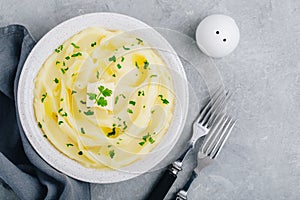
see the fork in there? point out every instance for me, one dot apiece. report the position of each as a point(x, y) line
point(201, 127)
point(210, 149)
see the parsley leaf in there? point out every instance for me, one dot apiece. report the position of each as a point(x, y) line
point(69, 145)
point(119, 66)
point(112, 154)
point(132, 103)
point(60, 122)
point(73, 92)
point(92, 96)
point(67, 57)
point(102, 102)
point(151, 140)
point(129, 111)
point(142, 143)
point(141, 92)
point(89, 112)
point(75, 46)
point(76, 54)
point(44, 97)
point(126, 48)
point(139, 40)
point(83, 102)
point(82, 130)
point(113, 132)
point(80, 153)
point(56, 80)
point(40, 125)
point(93, 44)
point(112, 59)
point(122, 58)
point(146, 64)
point(164, 101)
point(116, 99)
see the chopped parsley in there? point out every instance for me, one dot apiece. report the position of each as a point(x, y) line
point(139, 40)
point(64, 63)
point(83, 102)
point(92, 96)
point(116, 99)
point(73, 92)
point(144, 106)
point(61, 99)
point(126, 48)
point(164, 101)
point(113, 132)
point(122, 95)
point(76, 54)
point(89, 112)
point(44, 97)
point(67, 58)
point(136, 64)
point(112, 59)
point(111, 153)
point(141, 92)
point(63, 70)
point(56, 80)
point(59, 49)
point(114, 75)
point(69, 145)
point(61, 109)
point(119, 66)
point(151, 140)
point(153, 75)
point(129, 111)
point(146, 138)
point(82, 130)
point(75, 46)
point(122, 58)
point(60, 122)
point(146, 64)
point(40, 125)
point(57, 62)
point(132, 103)
point(152, 111)
point(125, 125)
point(64, 114)
point(45, 136)
point(142, 143)
point(93, 44)
point(80, 153)
point(97, 75)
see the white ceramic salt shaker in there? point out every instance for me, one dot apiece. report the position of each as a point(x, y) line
point(217, 35)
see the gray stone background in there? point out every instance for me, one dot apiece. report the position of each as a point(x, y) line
point(262, 157)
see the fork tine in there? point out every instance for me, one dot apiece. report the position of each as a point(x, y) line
point(214, 135)
point(204, 112)
point(225, 136)
point(219, 108)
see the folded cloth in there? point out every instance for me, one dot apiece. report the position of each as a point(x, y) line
point(21, 168)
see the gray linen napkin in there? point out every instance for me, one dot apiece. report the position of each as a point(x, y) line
point(21, 168)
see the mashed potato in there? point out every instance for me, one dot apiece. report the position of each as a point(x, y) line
point(104, 98)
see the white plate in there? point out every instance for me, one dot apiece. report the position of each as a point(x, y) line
point(45, 47)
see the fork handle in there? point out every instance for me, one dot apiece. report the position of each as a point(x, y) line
point(164, 184)
point(182, 194)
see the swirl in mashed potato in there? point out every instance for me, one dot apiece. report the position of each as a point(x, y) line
point(104, 98)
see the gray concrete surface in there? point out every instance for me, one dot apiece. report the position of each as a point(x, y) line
point(262, 157)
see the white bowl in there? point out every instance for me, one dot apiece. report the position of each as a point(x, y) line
point(45, 47)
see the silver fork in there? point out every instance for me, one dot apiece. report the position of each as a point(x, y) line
point(201, 126)
point(210, 149)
